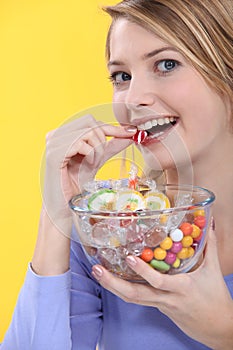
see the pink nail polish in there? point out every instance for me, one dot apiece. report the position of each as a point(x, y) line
point(97, 272)
point(132, 129)
point(212, 223)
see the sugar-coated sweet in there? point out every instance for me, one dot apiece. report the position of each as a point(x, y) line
point(176, 247)
point(170, 258)
point(160, 265)
point(176, 235)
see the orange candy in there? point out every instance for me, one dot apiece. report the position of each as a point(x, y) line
point(186, 228)
point(147, 254)
point(160, 254)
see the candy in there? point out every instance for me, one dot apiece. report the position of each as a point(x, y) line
point(176, 264)
point(147, 254)
point(199, 212)
point(103, 199)
point(170, 258)
point(196, 231)
point(156, 201)
point(187, 241)
point(191, 252)
point(166, 244)
point(186, 228)
point(159, 253)
point(176, 247)
point(176, 235)
point(183, 254)
point(130, 200)
point(140, 136)
point(159, 265)
point(200, 221)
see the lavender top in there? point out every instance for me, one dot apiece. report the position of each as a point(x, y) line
point(72, 311)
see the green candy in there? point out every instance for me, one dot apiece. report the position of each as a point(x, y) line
point(159, 265)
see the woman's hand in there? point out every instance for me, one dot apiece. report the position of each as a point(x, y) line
point(74, 153)
point(198, 302)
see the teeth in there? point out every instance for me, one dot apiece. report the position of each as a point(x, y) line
point(161, 121)
point(148, 125)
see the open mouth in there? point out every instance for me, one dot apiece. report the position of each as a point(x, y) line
point(154, 130)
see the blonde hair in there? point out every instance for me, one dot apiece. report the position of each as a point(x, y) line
point(202, 30)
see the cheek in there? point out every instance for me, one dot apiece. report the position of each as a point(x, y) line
point(119, 109)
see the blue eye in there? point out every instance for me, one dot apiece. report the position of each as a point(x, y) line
point(119, 77)
point(166, 66)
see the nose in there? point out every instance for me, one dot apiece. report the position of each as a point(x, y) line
point(140, 94)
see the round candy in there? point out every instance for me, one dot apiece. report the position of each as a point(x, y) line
point(170, 258)
point(156, 201)
point(147, 254)
point(103, 199)
point(199, 212)
point(200, 221)
point(186, 228)
point(176, 247)
point(176, 235)
point(183, 254)
point(191, 252)
point(159, 265)
point(129, 200)
point(159, 253)
point(166, 244)
point(187, 241)
point(196, 231)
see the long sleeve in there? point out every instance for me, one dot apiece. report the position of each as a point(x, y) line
point(41, 317)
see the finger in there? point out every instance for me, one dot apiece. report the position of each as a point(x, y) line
point(163, 282)
point(118, 131)
point(115, 146)
point(211, 250)
point(137, 293)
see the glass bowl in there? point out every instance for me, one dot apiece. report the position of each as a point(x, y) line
point(171, 239)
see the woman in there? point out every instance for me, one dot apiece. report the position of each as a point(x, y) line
point(167, 59)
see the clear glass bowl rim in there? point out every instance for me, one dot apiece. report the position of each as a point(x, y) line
point(201, 204)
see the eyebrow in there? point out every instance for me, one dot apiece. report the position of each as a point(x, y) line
point(145, 56)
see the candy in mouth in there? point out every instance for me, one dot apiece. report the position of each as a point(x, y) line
point(144, 136)
point(140, 136)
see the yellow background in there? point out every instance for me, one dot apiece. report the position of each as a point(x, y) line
point(52, 65)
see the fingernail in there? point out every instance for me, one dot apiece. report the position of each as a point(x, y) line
point(131, 260)
point(212, 224)
point(132, 129)
point(97, 272)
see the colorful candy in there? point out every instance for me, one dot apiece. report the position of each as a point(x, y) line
point(179, 245)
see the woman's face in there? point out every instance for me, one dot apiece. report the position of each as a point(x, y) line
point(157, 90)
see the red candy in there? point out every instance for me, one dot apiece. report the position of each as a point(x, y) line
point(186, 228)
point(140, 136)
point(200, 221)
